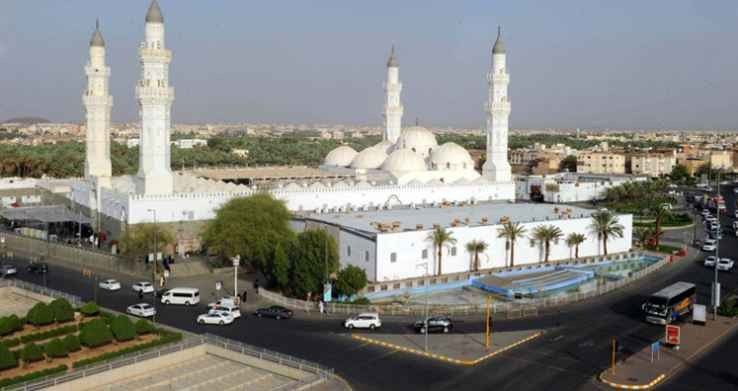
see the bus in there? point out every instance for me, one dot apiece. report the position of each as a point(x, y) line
point(670, 303)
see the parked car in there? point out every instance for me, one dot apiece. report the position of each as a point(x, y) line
point(109, 284)
point(215, 317)
point(225, 300)
point(711, 246)
point(368, 320)
point(37, 268)
point(275, 311)
point(434, 324)
point(725, 264)
point(143, 286)
point(710, 261)
point(231, 310)
point(7, 270)
point(144, 310)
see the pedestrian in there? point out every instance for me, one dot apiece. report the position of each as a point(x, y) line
point(244, 296)
point(256, 287)
point(321, 306)
point(140, 295)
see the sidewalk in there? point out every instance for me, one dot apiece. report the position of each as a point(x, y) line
point(637, 372)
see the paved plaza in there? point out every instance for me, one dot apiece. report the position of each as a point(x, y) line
point(18, 301)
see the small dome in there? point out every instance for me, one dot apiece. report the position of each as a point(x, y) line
point(385, 146)
point(369, 159)
point(417, 139)
point(403, 160)
point(340, 157)
point(451, 156)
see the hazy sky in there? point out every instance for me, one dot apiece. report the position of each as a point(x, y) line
point(587, 63)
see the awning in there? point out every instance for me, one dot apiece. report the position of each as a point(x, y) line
point(45, 214)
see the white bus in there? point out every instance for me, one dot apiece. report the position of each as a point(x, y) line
point(670, 303)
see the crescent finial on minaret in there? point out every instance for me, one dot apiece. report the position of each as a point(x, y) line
point(499, 47)
point(392, 60)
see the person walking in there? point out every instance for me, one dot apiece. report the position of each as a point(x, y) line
point(244, 296)
point(321, 306)
point(140, 294)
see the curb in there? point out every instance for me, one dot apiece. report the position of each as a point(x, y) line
point(447, 358)
point(646, 386)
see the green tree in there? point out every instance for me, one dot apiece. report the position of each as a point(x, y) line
point(7, 358)
point(40, 314)
point(71, 342)
point(659, 213)
point(56, 348)
point(511, 232)
point(89, 309)
point(606, 225)
point(9, 325)
point(642, 235)
point(63, 311)
point(568, 163)
point(280, 266)
point(31, 353)
point(143, 326)
point(95, 333)
point(314, 256)
point(679, 174)
point(440, 238)
point(474, 248)
point(544, 235)
point(250, 227)
point(122, 328)
point(351, 280)
point(573, 240)
point(139, 240)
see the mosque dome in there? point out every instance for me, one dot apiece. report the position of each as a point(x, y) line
point(451, 156)
point(369, 159)
point(384, 145)
point(402, 161)
point(340, 157)
point(417, 139)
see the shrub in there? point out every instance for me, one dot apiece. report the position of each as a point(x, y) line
point(143, 326)
point(107, 317)
point(31, 353)
point(40, 314)
point(71, 342)
point(95, 333)
point(49, 334)
point(89, 309)
point(7, 358)
point(9, 325)
point(63, 311)
point(10, 342)
point(165, 338)
point(33, 376)
point(56, 348)
point(122, 328)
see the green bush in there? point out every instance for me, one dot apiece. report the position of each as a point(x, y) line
point(10, 342)
point(122, 328)
point(33, 376)
point(56, 348)
point(63, 311)
point(72, 344)
point(7, 358)
point(164, 338)
point(40, 315)
point(143, 326)
point(31, 353)
point(49, 334)
point(95, 333)
point(9, 325)
point(89, 309)
point(107, 317)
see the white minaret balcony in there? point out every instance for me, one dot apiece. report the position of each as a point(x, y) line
point(155, 55)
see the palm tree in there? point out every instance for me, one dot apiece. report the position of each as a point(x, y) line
point(643, 235)
point(475, 247)
point(574, 240)
point(659, 213)
point(440, 238)
point(605, 225)
point(511, 232)
point(545, 234)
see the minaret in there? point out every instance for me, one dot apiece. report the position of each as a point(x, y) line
point(98, 104)
point(392, 105)
point(155, 98)
point(497, 168)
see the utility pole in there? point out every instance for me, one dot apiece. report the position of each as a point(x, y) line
point(612, 356)
point(155, 263)
point(716, 283)
point(425, 317)
point(488, 332)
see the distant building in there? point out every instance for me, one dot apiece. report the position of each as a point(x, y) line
point(568, 187)
point(601, 163)
point(653, 164)
point(133, 142)
point(189, 143)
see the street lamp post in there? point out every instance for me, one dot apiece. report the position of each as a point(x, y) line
point(716, 283)
point(236, 262)
point(427, 293)
point(153, 269)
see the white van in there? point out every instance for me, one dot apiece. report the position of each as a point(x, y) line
point(186, 296)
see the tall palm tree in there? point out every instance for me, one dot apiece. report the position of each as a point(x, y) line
point(511, 232)
point(574, 239)
point(659, 213)
point(606, 225)
point(440, 238)
point(475, 247)
point(545, 234)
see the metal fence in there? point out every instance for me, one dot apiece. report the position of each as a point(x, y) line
point(319, 372)
point(76, 301)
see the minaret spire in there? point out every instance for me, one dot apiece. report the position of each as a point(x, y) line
point(392, 105)
point(497, 167)
point(98, 105)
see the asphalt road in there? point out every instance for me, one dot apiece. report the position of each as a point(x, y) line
point(571, 353)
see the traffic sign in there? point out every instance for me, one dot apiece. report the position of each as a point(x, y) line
point(672, 334)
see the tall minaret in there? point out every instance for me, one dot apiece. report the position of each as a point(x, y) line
point(98, 103)
point(497, 168)
point(155, 99)
point(392, 105)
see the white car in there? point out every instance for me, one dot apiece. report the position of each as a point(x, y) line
point(110, 285)
point(708, 246)
point(8, 270)
point(144, 310)
point(231, 310)
point(725, 264)
point(225, 300)
point(368, 320)
point(735, 190)
point(143, 286)
point(710, 261)
point(215, 317)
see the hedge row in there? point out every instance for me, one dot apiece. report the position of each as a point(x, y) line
point(89, 309)
point(33, 376)
point(165, 337)
point(11, 342)
point(72, 328)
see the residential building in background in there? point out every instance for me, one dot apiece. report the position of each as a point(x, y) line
point(653, 164)
point(596, 162)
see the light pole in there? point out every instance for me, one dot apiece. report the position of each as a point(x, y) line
point(427, 293)
point(153, 269)
point(716, 283)
point(236, 261)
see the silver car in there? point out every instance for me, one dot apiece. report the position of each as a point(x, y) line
point(8, 270)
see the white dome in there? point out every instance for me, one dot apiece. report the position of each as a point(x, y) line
point(369, 158)
point(417, 139)
point(403, 160)
point(385, 146)
point(451, 156)
point(340, 157)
